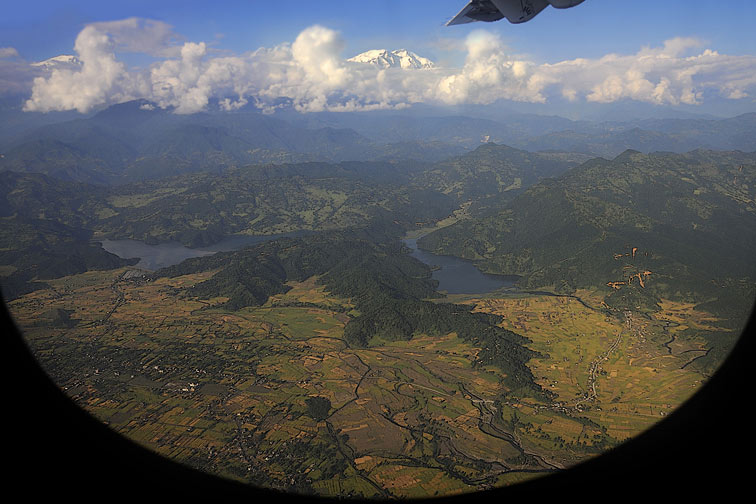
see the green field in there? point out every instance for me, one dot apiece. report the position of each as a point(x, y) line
point(226, 391)
point(612, 367)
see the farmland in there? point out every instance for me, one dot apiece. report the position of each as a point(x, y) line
point(231, 392)
point(616, 369)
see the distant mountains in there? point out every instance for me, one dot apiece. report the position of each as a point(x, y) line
point(133, 141)
point(671, 135)
point(538, 133)
point(138, 141)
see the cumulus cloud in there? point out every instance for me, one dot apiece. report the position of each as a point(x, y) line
point(177, 82)
point(489, 74)
point(8, 52)
point(138, 35)
point(660, 75)
point(101, 78)
point(312, 74)
point(16, 75)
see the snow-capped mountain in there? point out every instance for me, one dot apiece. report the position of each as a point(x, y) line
point(401, 58)
point(62, 61)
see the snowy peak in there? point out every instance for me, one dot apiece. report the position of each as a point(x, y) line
point(62, 61)
point(408, 59)
point(401, 58)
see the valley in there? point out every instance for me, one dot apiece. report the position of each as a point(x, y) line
point(396, 328)
point(377, 251)
point(226, 391)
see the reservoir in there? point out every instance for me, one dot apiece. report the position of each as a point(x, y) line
point(459, 276)
point(454, 275)
point(154, 257)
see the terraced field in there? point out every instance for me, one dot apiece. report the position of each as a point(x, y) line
point(231, 392)
point(623, 371)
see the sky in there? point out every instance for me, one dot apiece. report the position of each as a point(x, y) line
point(187, 54)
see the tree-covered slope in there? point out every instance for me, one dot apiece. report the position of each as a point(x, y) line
point(691, 219)
point(386, 285)
point(49, 225)
point(492, 174)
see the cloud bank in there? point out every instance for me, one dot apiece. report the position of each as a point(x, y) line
point(312, 74)
point(15, 74)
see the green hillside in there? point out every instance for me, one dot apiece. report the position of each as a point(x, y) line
point(640, 228)
point(386, 285)
point(493, 173)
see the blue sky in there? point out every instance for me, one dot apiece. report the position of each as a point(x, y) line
point(40, 29)
point(35, 30)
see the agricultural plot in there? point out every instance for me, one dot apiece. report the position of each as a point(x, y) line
point(619, 372)
point(274, 396)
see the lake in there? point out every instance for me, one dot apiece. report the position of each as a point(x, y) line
point(454, 275)
point(459, 276)
point(154, 257)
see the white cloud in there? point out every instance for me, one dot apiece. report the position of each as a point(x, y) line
point(177, 82)
point(8, 52)
point(16, 77)
point(312, 74)
point(138, 35)
point(15, 74)
point(489, 74)
point(102, 78)
point(654, 75)
point(316, 50)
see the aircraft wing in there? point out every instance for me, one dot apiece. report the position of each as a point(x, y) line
point(564, 4)
point(519, 11)
point(476, 10)
point(516, 11)
point(462, 17)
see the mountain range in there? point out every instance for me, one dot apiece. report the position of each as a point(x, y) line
point(632, 271)
point(136, 140)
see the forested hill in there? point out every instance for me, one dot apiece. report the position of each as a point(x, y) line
point(199, 209)
point(689, 220)
point(387, 287)
point(497, 172)
point(49, 225)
